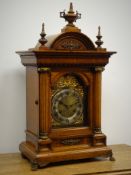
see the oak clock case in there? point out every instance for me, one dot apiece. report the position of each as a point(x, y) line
point(63, 96)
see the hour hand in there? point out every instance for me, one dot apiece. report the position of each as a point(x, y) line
point(74, 104)
point(63, 104)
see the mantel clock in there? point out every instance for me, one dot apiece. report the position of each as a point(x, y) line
point(63, 98)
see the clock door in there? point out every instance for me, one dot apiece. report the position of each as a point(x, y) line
point(70, 102)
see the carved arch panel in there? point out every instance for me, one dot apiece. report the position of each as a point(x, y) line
point(72, 41)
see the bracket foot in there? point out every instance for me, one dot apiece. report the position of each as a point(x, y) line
point(111, 158)
point(34, 166)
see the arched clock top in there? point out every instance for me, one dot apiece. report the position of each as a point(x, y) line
point(72, 41)
point(70, 37)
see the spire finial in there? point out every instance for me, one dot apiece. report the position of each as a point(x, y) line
point(99, 30)
point(98, 41)
point(71, 8)
point(42, 40)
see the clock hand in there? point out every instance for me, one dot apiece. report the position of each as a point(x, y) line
point(64, 104)
point(73, 104)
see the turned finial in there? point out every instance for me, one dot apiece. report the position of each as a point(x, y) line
point(43, 40)
point(99, 36)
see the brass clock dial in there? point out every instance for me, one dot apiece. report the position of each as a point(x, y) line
point(66, 106)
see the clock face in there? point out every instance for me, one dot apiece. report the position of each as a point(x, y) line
point(66, 106)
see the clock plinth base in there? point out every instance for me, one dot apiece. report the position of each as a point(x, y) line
point(42, 158)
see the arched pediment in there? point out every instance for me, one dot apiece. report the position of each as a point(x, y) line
point(72, 41)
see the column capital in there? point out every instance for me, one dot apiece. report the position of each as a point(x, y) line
point(99, 69)
point(44, 69)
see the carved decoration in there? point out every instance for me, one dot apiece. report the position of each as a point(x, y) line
point(68, 80)
point(72, 141)
point(72, 41)
point(71, 44)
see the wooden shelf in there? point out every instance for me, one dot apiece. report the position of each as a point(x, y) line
point(14, 164)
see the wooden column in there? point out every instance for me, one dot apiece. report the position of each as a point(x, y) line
point(45, 102)
point(97, 99)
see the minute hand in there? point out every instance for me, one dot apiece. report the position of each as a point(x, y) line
point(70, 105)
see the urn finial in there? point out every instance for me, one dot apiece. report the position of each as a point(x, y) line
point(70, 17)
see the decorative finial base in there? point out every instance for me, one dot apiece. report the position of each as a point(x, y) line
point(68, 28)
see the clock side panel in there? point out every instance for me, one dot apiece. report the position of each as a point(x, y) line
point(32, 104)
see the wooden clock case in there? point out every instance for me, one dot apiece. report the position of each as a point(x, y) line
point(70, 53)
